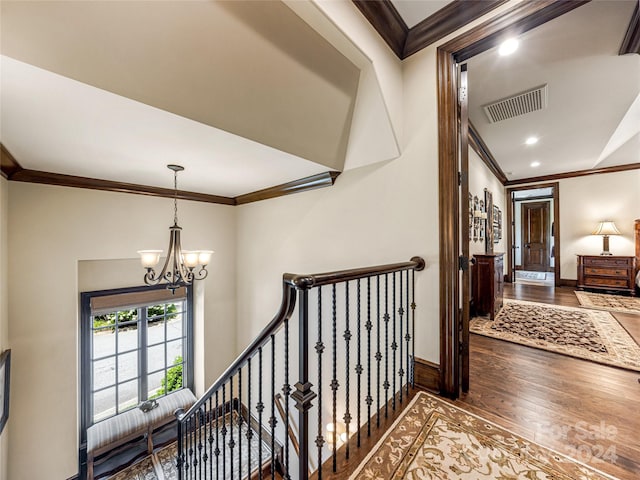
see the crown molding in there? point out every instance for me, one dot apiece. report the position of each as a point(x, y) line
point(384, 17)
point(447, 20)
point(577, 173)
point(13, 171)
point(320, 180)
point(404, 41)
point(477, 143)
point(8, 164)
point(631, 42)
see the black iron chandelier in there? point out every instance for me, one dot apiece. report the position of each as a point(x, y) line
point(180, 267)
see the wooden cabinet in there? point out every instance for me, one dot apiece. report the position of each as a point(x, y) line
point(606, 272)
point(488, 284)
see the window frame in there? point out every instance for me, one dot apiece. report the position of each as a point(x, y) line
point(86, 390)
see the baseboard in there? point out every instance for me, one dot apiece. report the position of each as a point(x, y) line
point(564, 282)
point(427, 374)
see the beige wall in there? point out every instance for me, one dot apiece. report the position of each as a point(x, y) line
point(480, 177)
point(585, 201)
point(51, 230)
point(4, 312)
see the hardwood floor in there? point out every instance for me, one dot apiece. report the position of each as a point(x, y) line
point(576, 407)
point(587, 411)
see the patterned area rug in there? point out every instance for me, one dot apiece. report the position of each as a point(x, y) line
point(437, 441)
point(161, 465)
point(577, 332)
point(612, 303)
point(531, 275)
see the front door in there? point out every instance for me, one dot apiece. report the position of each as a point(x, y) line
point(535, 236)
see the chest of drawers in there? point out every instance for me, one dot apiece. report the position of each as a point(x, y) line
point(606, 272)
point(488, 284)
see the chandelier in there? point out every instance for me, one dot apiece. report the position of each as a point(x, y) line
point(180, 266)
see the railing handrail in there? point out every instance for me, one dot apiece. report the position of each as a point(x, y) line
point(302, 282)
point(290, 283)
point(284, 312)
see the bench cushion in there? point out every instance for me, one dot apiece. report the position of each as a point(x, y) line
point(112, 429)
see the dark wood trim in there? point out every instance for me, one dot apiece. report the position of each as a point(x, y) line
point(631, 42)
point(556, 221)
point(538, 197)
point(427, 374)
point(445, 21)
point(522, 17)
point(8, 164)
point(320, 180)
point(577, 173)
point(564, 282)
point(477, 143)
point(384, 17)
point(519, 19)
point(36, 176)
point(13, 171)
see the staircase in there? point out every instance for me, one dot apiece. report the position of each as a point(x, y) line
point(346, 361)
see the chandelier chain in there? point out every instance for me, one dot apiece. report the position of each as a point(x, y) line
point(175, 197)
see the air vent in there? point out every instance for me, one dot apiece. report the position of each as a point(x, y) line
point(516, 105)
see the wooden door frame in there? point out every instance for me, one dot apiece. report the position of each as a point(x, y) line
point(555, 189)
point(545, 205)
point(512, 22)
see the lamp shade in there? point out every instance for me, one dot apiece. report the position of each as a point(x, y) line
point(606, 228)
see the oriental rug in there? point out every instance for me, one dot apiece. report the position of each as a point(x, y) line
point(612, 303)
point(435, 440)
point(577, 332)
point(161, 464)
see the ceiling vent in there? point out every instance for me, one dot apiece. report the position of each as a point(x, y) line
point(516, 105)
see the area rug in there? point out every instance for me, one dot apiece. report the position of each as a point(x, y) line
point(531, 275)
point(612, 303)
point(161, 465)
point(435, 440)
point(588, 334)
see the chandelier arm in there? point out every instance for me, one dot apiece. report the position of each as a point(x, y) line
point(178, 261)
point(150, 277)
point(202, 273)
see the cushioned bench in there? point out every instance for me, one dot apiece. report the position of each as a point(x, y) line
point(120, 429)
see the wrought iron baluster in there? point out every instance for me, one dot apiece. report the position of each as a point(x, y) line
point(286, 389)
point(199, 456)
point(413, 326)
point(210, 439)
point(249, 428)
point(190, 442)
point(260, 409)
point(223, 430)
point(272, 421)
point(334, 381)
point(386, 345)
point(217, 450)
point(319, 351)
point(359, 364)
point(378, 352)
point(232, 442)
point(240, 422)
point(408, 335)
point(400, 315)
point(368, 326)
point(347, 340)
point(394, 345)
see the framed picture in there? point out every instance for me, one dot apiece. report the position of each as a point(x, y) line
point(5, 369)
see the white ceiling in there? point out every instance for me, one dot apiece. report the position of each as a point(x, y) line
point(590, 121)
point(414, 11)
point(246, 95)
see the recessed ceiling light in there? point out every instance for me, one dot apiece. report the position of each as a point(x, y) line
point(508, 47)
point(535, 164)
point(531, 140)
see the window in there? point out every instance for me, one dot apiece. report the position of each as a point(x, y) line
point(136, 345)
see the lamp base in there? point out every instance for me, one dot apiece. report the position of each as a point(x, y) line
point(605, 245)
point(606, 253)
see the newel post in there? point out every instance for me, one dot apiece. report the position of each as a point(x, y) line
point(303, 395)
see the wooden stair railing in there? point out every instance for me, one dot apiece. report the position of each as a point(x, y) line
point(376, 371)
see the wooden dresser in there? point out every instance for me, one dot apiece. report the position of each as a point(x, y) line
point(606, 272)
point(488, 284)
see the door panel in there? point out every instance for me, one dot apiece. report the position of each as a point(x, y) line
point(535, 236)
